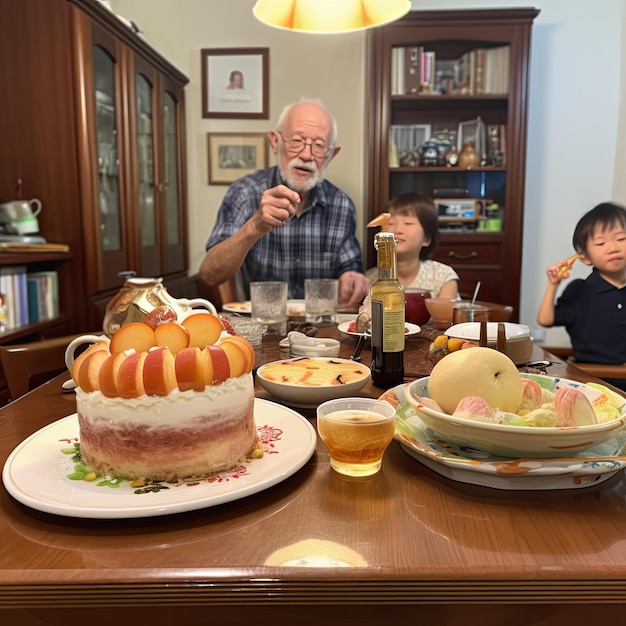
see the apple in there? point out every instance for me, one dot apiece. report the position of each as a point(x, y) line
point(245, 345)
point(107, 379)
point(159, 372)
point(204, 329)
point(99, 345)
point(89, 371)
point(159, 315)
point(573, 408)
point(189, 369)
point(173, 335)
point(220, 364)
point(135, 336)
point(207, 366)
point(481, 372)
point(130, 376)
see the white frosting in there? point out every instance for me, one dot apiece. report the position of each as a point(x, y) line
point(178, 407)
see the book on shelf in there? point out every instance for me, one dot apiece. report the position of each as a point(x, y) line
point(13, 287)
point(43, 295)
point(481, 71)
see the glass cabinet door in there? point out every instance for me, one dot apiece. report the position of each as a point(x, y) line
point(107, 150)
point(146, 219)
point(172, 187)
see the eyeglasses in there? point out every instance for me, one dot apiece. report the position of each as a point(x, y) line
point(318, 148)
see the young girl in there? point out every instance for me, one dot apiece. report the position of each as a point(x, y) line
point(415, 224)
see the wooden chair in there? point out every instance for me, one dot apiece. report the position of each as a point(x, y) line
point(599, 370)
point(28, 365)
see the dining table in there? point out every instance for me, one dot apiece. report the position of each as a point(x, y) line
point(407, 545)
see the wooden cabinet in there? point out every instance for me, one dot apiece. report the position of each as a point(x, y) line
point(93, 125)
point(449, 46)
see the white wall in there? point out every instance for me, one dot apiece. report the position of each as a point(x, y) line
point(573, 114)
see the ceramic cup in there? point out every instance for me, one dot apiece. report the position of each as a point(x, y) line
point(415, 310)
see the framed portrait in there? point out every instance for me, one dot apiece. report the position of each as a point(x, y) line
point(232, 155)
point(235, 83)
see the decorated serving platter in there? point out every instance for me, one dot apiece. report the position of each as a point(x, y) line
point(42, 472)
point(468, 465)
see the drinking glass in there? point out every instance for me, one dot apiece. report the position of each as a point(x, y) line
point(468, 312)
point(268, 301)
point(356, 432)
point(320, 299)
point(415, 306)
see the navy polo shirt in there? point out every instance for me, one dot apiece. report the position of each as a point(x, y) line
point(594, 314)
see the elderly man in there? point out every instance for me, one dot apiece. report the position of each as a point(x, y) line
point(286, 222)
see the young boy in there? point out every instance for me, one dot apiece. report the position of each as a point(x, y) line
point(593, 310)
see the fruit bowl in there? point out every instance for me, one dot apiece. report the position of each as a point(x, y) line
point(517, 441)
point(441, 309)
point(307, 381)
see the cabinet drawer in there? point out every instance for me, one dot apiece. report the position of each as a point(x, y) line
point(461, 253)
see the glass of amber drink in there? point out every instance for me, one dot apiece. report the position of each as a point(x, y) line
point(356, 432)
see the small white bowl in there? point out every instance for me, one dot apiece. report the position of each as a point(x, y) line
point(290, 381)
point(516, 441)
point(518, 345)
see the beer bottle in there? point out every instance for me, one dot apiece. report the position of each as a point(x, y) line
point(387, 295)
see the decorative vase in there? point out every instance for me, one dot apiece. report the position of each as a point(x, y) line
point(138, 296)
point(468, 157)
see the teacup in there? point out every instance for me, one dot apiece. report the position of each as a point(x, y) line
point(70, 351)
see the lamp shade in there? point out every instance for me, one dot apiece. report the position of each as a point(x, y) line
point(329, 16)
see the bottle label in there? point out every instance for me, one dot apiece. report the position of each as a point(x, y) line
point(387, 328)
point(393, 331)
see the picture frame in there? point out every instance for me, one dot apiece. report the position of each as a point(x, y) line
point(232, 155)
point(474, 131)
point(235, 83)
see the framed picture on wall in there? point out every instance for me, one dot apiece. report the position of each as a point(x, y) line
point(235, 83)
point(232, 155)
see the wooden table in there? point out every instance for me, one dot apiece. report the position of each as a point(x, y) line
point(423, 548)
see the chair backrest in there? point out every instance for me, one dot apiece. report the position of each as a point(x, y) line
point(27, 365)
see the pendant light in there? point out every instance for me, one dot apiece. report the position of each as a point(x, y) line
point(329, 16)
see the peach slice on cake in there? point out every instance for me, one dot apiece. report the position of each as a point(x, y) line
point(220, 366)
point(204, 329)
point(135, 336)
point(159, 373)
point(109, 369)
point(173, 335)
point(237, 359)
point(247, 349)
point(190, 369)
point(88, 374)
point(130, 376)
point(99, 345)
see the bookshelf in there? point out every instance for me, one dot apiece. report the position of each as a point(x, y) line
point(439, 84)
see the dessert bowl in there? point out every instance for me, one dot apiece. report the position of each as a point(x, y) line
point(308, 381)
point(517, 441)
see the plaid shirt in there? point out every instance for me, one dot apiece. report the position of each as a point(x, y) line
point(320, 242)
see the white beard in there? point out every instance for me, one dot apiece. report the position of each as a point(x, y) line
point(311, 166)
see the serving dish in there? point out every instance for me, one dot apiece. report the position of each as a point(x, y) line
point(410, 329)
point(307, 382)
point(517, 441)
point(36, 472)
point(476, 467)
point(518, 344)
